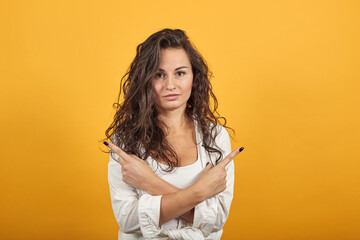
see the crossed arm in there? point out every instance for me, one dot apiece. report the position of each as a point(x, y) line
point(161, 187)
point(174, 202)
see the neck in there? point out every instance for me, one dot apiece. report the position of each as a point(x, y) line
point(176, 120)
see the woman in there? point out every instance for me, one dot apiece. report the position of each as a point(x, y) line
point(164, 136)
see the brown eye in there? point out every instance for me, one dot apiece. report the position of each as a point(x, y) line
point(159, 75)
point(180, 73)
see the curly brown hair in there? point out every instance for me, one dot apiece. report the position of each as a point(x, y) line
point(136, 128)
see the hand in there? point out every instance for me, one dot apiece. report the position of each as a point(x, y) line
point(135, 171)
point(213, 179)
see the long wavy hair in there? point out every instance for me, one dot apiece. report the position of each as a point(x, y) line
point(135, 127)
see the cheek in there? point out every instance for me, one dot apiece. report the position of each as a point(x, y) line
point(188, 86)
point(157, 89)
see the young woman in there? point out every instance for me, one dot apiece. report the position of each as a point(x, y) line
point(171, 173)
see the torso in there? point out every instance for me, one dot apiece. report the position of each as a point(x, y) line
point(189, 165)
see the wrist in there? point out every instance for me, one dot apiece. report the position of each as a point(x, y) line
point(198, 192)
point(151, 185)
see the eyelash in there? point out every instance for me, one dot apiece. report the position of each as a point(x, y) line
point(157, 75)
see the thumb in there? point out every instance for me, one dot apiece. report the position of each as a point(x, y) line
point(209, 165)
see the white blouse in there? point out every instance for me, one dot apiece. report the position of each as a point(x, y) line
point(138, 213)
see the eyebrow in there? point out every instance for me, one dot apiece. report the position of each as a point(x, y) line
point(175, 69)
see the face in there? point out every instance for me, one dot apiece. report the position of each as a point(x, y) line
point(173, 80)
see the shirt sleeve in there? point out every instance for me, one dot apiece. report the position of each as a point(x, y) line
point(124, 198)
point(211, 214)
point(132, 212)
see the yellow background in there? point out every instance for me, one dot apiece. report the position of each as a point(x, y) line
point(286, 77)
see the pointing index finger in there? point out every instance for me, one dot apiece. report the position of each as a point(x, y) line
point(117, 150)
point(230, 157)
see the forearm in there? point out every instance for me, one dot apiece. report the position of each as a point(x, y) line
point(161, 187)
point(179, 203)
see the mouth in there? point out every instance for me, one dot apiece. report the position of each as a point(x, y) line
point(171, 95)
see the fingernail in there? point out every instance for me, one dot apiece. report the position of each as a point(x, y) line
point(242, 148)
point(106, 143)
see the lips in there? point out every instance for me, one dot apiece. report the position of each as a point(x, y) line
point(172, 95)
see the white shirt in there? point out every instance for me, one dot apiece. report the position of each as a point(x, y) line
point(138, 213)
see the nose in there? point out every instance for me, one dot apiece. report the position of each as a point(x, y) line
point(170, 83)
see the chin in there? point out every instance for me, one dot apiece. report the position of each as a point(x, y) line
point(172, 107)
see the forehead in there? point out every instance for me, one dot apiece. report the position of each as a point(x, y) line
point(174, 57)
